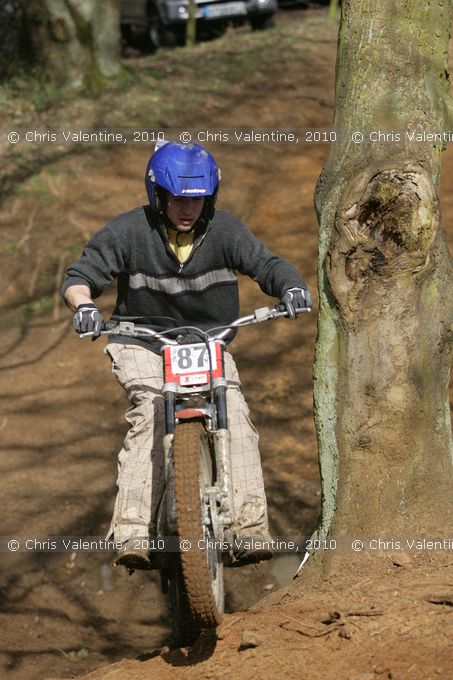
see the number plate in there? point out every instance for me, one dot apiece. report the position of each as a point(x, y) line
point(225, 9)
point(189, 365)
point(191, 358)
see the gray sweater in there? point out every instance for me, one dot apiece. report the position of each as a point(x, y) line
point(152, 283)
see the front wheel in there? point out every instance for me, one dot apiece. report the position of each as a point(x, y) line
point(185, 629)
point(201, 565)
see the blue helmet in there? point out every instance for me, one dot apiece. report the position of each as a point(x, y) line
point(183, 170)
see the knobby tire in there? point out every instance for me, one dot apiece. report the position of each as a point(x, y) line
point(185, 629)
point(188, 458)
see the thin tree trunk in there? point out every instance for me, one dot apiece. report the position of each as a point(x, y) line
point(191, 26)
point(385, 280)
point(333, 9)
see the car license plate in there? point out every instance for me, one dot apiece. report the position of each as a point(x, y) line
point(224, 9)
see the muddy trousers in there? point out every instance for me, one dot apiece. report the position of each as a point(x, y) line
point(141, 471)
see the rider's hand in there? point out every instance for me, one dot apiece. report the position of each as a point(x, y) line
point(88, 319)
point(295, 299)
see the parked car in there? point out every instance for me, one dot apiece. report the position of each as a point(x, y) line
point(164, 21)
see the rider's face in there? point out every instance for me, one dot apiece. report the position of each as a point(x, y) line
point(184, 211)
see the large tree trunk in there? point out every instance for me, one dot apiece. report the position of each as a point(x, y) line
point(77, 41)
point(385, 281)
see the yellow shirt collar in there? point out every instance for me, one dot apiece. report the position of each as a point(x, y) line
point(180, 243)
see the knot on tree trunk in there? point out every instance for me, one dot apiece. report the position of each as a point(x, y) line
point(59, 30)
point(386, 223)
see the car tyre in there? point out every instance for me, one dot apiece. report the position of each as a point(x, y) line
point(261, 22)
point(159, 34)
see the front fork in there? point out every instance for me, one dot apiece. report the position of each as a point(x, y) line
point(224, 482)
point(220, 415)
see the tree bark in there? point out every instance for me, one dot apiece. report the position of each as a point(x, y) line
point(191, 26)
point(385, 279)
point(76, 41)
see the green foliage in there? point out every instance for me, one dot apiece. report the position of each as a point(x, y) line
point(29, 86)
point(78, 655)
point(11, 247)
point(38, 189)
point(41, 305)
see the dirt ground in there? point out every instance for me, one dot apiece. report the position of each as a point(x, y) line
point(67, 614)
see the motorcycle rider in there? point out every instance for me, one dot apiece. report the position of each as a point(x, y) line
point(175, 261)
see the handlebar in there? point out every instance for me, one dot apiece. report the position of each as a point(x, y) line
point(130, 329)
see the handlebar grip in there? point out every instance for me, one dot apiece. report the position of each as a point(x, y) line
point(281, 309)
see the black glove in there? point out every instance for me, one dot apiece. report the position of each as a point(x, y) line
point(88, 319)
point(295, 299)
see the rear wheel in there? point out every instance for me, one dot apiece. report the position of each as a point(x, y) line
point(201, 566)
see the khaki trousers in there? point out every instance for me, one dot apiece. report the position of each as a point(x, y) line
point(141, 460)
